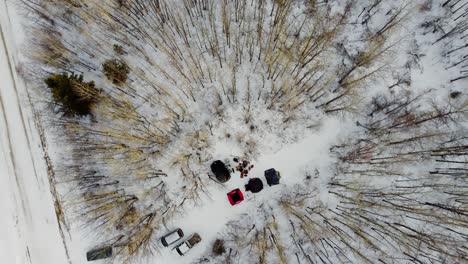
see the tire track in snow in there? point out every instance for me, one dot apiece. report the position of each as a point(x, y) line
point(52, 182)
point(12, 69)
point(18, 180)
point(18, 142)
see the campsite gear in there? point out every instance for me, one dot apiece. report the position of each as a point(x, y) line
point(172, 237)
point(194, 239)
point(235, 197)
point(244, 173)
point(272, 176)
point(220, 171)
point(254, 185)
point(100, 253)
point(185, 246)
point(244, 168)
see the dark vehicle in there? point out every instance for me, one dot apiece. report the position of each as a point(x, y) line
point(172, 237)
point(272, 177)
point(235, 197)
point(185, 246)
point(100, 253)
point(254, 185)
point(220, 171)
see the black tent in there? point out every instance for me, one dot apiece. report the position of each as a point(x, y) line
point(272, 176)
point(220, 171)
point(255, 185)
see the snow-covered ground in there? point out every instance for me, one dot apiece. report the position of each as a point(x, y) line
point(29, 231)
point(32, 231)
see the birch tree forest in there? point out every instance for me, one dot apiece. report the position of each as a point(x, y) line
point(165, 80)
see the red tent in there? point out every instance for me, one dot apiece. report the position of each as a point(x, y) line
point(235, 197)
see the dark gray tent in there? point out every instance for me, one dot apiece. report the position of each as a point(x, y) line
point(272, 176)
point(220, 170)
point(255, 185)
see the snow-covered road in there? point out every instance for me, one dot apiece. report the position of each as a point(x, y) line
point(29, 230)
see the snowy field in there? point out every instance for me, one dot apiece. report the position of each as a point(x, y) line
point(113, 111)
point(29, 233)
